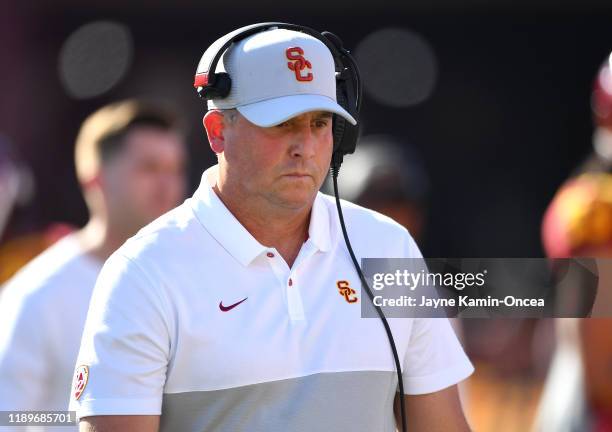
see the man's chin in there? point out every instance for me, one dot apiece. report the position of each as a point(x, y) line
point(296, 199)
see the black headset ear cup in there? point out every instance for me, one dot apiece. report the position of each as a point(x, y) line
point(219, 89)
point(350, 137)
point(345, 134)
point(338, 129)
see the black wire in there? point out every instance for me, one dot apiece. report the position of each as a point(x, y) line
point(335, 169)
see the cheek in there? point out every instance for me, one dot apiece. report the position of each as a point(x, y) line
point(149, 183)
point(133, 184)
point(115, 181)
point(142, 180)
point(326, 141)
point(253, 154)
point(324, 150)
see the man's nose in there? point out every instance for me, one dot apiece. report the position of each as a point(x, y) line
point(303, 142)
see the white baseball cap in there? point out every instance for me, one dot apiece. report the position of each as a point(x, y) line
point(276, 74)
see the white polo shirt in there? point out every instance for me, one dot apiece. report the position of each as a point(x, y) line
point(42, 314)
point(195, 320)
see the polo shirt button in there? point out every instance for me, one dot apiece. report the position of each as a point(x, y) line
point(270, 255)
point(290, 282)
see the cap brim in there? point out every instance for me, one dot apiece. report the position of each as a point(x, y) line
point(272, 112)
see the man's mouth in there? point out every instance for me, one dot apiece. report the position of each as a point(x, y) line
point(297, 175)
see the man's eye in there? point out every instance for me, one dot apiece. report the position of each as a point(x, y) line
point(283, 124)
point(321, 123)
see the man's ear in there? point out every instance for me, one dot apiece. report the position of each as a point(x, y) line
point(94, 181)
point(213, 123)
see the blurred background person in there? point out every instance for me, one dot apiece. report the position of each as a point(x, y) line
point(578, 223)
point(387, 176)
point(130, 163)
point(578, 391)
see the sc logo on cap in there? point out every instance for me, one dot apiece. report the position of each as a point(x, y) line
point(299, 63)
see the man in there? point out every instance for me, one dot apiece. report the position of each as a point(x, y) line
point(229, 313)
point(130, 160)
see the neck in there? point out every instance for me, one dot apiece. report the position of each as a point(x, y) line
point(282, 228)
point(98, 239)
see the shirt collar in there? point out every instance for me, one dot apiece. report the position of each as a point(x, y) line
point(319, 231)
point(233, 237)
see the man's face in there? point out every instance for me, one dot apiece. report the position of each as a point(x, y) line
point(146, 178)
point(282, 165)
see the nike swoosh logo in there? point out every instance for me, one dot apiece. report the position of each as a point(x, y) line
point(226, 308)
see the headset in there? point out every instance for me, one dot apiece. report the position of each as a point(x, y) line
point(349, 94)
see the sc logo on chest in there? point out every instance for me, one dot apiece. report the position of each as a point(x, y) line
point(345, 290)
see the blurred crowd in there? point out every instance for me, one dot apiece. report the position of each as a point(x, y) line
point(130, 159)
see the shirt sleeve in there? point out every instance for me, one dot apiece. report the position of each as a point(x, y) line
point(121, 367)
point(434, 359)
point(24, 360)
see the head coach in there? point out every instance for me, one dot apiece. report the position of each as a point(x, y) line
point(240, 309)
